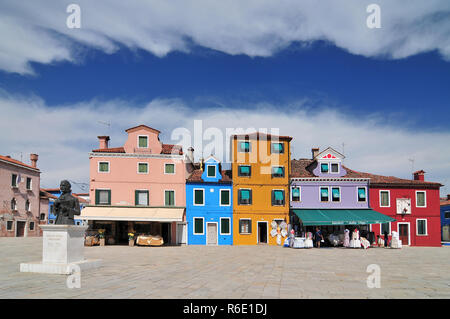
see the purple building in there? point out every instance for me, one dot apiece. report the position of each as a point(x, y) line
point(325, 194)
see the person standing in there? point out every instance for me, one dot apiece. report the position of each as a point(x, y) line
point(318, 237)
point(386, 239)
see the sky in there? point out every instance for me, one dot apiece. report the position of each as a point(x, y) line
point(315, 71)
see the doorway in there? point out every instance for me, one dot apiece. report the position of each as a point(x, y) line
point(446, 233)
point(166, 233)
point(20, 229)
point(403, 233)
point(211, 233)
point(262, 232)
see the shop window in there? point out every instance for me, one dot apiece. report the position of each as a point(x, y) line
point(169, 168)
point(198, 226)
point(244, 147)
point(9, 225)
point(277, 171)
point(225, 226)
point(169, 198)
point(29, 183)
point(103, 167)
point(324, 168)
point(143, 141)
point(141, 197)
point(31, 225)
point(244, 170)
point(384, 199)
point(211, 171)
point(199, 197)
point(336, 194)
point(277, 148)
point(277, 197)
point(334, 168)
point(244, 196)
point(324, 194)
point(421, 199)
point(361, 194)
point(103, 197)
point(245, 226)
point(295, 194)
point(422, 227)
point(224, 197)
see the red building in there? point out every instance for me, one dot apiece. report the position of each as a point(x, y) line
point(413, 203)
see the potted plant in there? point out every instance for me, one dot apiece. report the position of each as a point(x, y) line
point(131, 239)
point(101, 235)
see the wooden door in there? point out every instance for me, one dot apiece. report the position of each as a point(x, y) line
point(403, 233)
point(20, 229)
point(212, 233)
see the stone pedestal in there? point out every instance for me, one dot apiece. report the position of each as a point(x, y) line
point(63, 247)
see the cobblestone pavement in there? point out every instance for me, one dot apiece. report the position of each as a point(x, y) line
point(231, 272)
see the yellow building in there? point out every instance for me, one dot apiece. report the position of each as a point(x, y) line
point(261, 168)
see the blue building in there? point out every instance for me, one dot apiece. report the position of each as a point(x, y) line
point(209, 205)
point(445, 220)
point(56, 192)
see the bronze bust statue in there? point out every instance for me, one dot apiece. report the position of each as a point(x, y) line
point(66, 206)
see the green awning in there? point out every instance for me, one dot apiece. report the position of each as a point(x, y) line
point(313, 217)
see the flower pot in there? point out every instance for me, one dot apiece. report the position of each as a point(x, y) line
point(102, 241)
point(131, 242)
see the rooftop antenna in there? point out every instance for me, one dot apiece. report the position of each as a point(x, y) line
point(412, 164)
point(108, 124)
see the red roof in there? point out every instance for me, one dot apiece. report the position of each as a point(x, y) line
point(304, 167)
point(142, 126)
point(196, 176)
point(445, 202)
point(14, 161)
point(110, 150)
point(45, 194)
point(172, 149)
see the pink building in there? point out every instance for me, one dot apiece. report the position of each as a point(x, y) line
point(19, 197)
point(139, 186)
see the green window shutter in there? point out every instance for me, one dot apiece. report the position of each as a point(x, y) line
point(143, 141)
point(225, 197)
point(211, 171)
point(143, 167)
point(198, 225)
point(136, 197)
point(384, 198)
point(13, 180)
point(198, 196)
point(225, 226)
point(109, 197)
point(104, 166)
point(170, 168)
point(97, 197)
point(169, 198)
point(249, 226)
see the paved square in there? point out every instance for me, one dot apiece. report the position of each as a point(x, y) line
point(231, 272)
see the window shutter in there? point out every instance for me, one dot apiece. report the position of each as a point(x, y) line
point(249, 226)
point(97, 197)
point(109, 197)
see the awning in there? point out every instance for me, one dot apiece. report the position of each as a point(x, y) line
point(153, 214)
point(318, 217)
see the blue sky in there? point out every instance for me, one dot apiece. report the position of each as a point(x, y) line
point(314, 70)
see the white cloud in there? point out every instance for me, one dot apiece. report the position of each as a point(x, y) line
point(63, 136)
point(31, 31)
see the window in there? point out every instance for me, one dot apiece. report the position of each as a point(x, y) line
point(28, 183)
point(277, 148)
point(224, 197)
point(361, 194)
point(199, 196)
point(244, 147)
point(334, 168)
point(103, 197)
point(336, 194)
point(141, 197)
point(384, 199)
point(245, 197)
point(13, 204)
point(324, 194)
point(245, 226)
point(324, 168)
point(421, 199)
point(198, 226)
point(385, 227)
point(103, 167)
point(9, 225)
point(27, 205)
point(142, 168)
point(169, 168)
point(447, 215)
point(225, 226)
point(277, 197)
point(244, 170)
point(277, 171)
point(169, 198)
point(31, 225)
point(295, 194)
point(211, 171)
point(14, 180)
point(422, 227)
point(42, 217)
point(143, 141)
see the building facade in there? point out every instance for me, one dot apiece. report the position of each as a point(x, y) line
point(139, 187)
point(260, 170)
point(445, 220)
point(209, 205)
point(19, 197)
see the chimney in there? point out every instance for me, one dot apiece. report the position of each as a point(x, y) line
point(314, 152)
point(103, 141)
point(33, 159)
point(419, 175)
point(190, 154)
